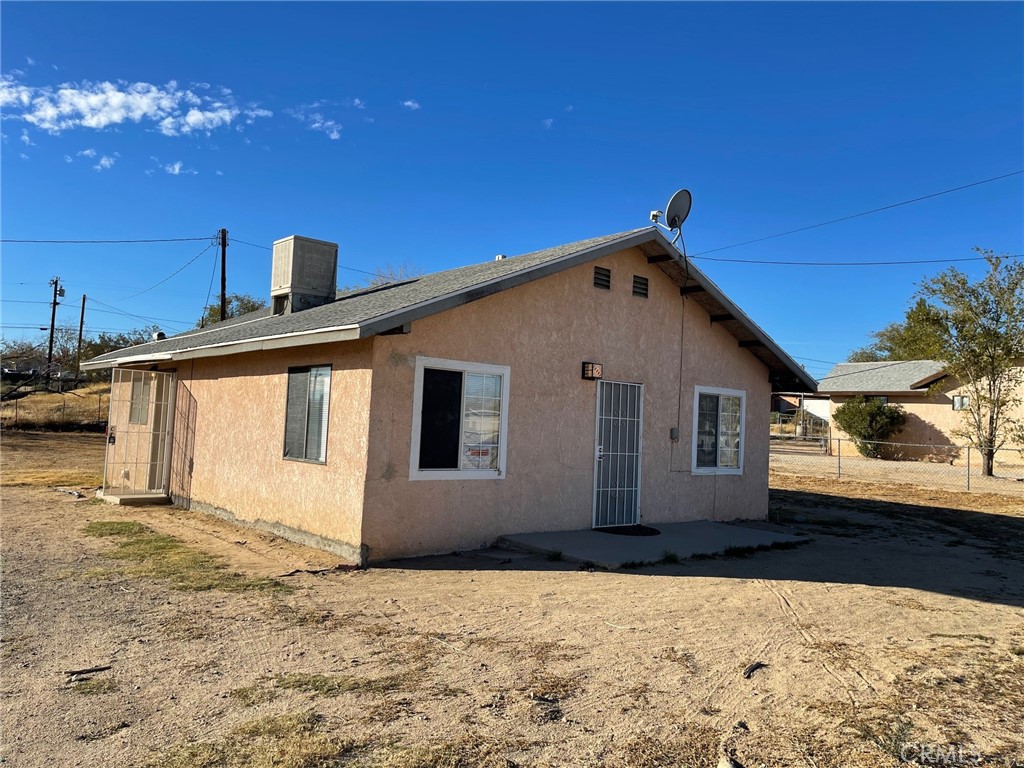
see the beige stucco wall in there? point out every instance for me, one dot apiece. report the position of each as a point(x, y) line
point(931, 423)
point(233, 410)
point(544, 330)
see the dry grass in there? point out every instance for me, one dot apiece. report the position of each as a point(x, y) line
point(468, 751)
point(51, 459)
point(287, 741)
point(93, 687)
point(253, 695)
point(154, 555)
point(695, 747)
point(50, 410)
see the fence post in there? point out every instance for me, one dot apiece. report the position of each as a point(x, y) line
point(839, 458)
point(968, 467)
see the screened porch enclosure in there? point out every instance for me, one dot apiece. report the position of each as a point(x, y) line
point(139, 425)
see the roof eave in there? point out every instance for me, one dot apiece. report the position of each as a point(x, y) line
point(279, 341)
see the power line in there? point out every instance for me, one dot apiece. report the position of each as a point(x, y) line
point(179, 269)
point(848, 263)
point(116, 311)
point(107, 242)
point(862, 213)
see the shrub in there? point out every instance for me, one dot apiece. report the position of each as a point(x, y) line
point(868, 421)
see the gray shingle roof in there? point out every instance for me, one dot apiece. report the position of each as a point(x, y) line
point(357, 306)
point(886, 376)
point(364, 312)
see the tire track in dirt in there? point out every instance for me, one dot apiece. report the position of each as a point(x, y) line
point(796, 621)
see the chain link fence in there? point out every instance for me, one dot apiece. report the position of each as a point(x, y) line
point(929, 466)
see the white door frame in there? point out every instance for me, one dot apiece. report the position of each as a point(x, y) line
point(638, 454)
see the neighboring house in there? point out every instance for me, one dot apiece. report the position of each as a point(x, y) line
point(791, 402)
point(601, 383)
point(934, 402)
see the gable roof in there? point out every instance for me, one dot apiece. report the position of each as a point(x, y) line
point(882, 377)
point(366, 312)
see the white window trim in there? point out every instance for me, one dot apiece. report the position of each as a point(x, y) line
point(742, 395)
point(415, 473)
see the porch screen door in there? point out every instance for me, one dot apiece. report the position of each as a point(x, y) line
point(619, 437)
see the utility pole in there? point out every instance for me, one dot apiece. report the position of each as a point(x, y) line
point(78, 354)
point(223, 275)
point(57, 291)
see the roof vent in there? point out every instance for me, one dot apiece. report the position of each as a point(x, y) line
point(304, 273)
point(603, 278)
point(500, 257)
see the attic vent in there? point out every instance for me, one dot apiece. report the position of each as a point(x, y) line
point(640, 286)
point(603, 278)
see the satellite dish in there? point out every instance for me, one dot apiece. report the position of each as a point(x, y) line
point(678, 209)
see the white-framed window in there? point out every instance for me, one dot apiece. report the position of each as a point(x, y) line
point(459, 420)
point(961, 402)
point(718, 419)
point(305, 421)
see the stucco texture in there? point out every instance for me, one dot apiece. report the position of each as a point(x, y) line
point(932, 425)
point(543, 331)
point(230, 416)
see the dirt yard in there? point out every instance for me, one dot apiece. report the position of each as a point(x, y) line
point(896, 634)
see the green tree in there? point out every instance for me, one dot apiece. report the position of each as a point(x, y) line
point(869, 421)
point(918, 337)
point(983, 347)
point(238, 304)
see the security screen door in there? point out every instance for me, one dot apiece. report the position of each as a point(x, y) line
point(619, 437)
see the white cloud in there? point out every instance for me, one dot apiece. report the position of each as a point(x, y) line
point(87, 153)
point(219, 173)
point(30, 61)
point(411, 104)
point(98, 105)
point(358, 103)
point(68, 159)
point(26, 139)
point(569, 108)
point(254, 112)
point(106, 162)
point(548, 123)
point(316, 121)
point(23, 156)
point(179, 169)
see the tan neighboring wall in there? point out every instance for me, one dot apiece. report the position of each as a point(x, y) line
point(230, 416)
point(931, 423)
point(544, 330)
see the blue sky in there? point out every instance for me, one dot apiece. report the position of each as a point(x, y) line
point(437, 135)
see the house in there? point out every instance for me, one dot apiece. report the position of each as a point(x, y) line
point(600, 383)
point(934, 402)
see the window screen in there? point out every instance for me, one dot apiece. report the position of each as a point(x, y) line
point(305, 427)
point(139, 408)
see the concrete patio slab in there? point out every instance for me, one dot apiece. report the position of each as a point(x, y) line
point(701, 537)
point(133, 499)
